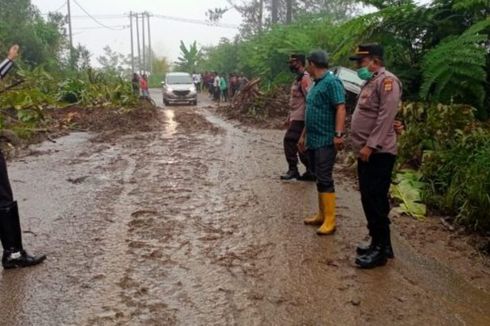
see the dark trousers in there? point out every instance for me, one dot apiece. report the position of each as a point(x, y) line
point(6, 196)
point(293, 134)
point(10, 231)
point(374, 184)
point(321, 161)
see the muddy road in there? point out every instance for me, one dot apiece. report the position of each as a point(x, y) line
point(190, 225)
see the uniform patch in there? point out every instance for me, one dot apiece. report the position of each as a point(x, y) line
point(388, 85)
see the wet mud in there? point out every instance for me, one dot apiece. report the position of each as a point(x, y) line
point(189, 224)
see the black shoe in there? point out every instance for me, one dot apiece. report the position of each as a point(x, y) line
point(376, 257)
point(307, 176)
point(290, 175)
point(363, 250)
point(20, 259)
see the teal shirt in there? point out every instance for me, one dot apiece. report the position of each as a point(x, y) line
point(323, 97)
point(223, 84)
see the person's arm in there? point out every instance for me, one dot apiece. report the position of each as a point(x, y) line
point(8, 63)
point(337, 94)
point(305, 85)
point(302, 141)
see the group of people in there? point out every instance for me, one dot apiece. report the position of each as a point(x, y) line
point(140, 85)
point(221, 87)
point(316, 132)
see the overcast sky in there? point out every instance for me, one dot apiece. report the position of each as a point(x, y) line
point(166, 34)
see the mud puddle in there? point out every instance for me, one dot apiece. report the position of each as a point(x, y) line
point(189, 225)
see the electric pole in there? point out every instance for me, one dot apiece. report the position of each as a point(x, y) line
point(138, 42)
point(69, 30)
point(150, 62)
point(132, 45)
point(144, 45)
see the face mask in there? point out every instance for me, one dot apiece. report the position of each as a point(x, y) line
point(364, 73)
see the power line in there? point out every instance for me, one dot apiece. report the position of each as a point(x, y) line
point(197, 21)
point(115, 27)
point(62, 6)
point(93, 18)
point(173, 18)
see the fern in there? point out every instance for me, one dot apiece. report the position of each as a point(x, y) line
point(456, 68)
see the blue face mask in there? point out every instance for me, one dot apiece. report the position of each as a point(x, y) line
point(364, 73)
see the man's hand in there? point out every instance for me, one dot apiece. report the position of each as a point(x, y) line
point(365, 153)
point(13, 52)
point(287, 123)
point(339, 143)
point(399, 127)
point(302, 144)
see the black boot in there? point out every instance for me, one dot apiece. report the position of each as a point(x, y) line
point(366, 249)
point(291, 174)
point(374, 258)
point(308, 176)
point(11, 235)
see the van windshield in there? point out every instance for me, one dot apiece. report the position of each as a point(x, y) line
point(179, 80)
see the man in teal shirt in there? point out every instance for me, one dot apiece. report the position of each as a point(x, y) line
point(323, 135)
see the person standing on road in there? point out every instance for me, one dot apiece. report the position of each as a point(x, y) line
point(145, 92)
point(323, 136)
point(14, 254)
point(223, 85)
point(216, 87)
point(373, 133)
point(135, 83)
point(296, 120)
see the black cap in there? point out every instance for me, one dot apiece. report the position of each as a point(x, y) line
point(367, 50)
point(319, 58)
point(297, 57)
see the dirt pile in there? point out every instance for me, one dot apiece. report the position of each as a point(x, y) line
point(261, 109)
point(110, 123)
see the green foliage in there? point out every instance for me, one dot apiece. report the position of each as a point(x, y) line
point(459, 179)
point(408, 189)
point(189, 57)
point(452, 151)
point(439, 51)
point(456, 69)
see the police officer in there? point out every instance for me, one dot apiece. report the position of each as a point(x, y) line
point(323, 136)
point(296, 119)
point(373, 135)
point(14, 254)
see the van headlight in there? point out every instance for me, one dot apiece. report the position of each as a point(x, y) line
point(192, 89)
point(169, 90)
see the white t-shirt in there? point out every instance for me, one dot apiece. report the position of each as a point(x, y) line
point(216, 81)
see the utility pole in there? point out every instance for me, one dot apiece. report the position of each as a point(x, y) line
point(144, 45)
point(289, 11)
point(261, 14)
point(132, 42)
point(150, 61)
point(138, 43)
point(69, 30)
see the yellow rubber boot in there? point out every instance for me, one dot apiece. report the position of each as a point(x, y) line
point(318, 218)
point(328, 202)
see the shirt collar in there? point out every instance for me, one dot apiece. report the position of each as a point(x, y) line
point(322, 77)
